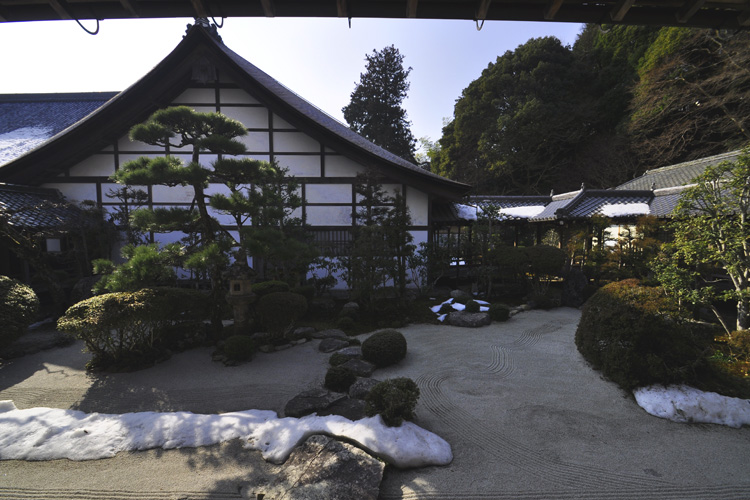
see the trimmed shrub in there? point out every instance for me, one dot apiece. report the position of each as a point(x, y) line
point(394, 400)
point(384, 348)
point(266, 287)
point(279, 311)
point(337, 359)
point(472, 306)
point(499, 312)
point(345, 323)
point(239, 347)
point(446, 309)
point(18, 307)
point(545, 260)
point(635, 336)
point(339, 379)
point(354, 341)
point(307, 291)
point(123, 330)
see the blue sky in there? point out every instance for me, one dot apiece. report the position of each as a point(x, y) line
point(320, 59)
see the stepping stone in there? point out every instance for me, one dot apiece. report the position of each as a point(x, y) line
point(469, 320)
point(332, 344)
point(312, 401)
point(360, 367)
point(353, 409)
point(331, 333)
point(362, 387)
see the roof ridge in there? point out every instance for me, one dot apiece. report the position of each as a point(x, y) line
point(705, 159)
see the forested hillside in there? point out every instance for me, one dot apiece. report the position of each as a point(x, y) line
point(620, 101)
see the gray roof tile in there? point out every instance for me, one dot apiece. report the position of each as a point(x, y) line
point(679, 174)
point(36, 208)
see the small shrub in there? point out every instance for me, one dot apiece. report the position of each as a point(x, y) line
point(635, 336)
point(266, 287)
point(354, 341)
point(337, 359)
point(384, 348)
point(345, 323)
point(239, 347)
point(545, 260)
point(18, 307)
point(740, 344)
point(339, 379)
point(279, 311)
point(446, 309)
point(472, 306)
point(394, 400)
point(307, 291)
point(499, 312)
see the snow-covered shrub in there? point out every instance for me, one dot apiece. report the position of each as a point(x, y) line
point(128, 329)
point(499, 312)
point(384, 348)
point(18, 306)
point(635, 336)
point(472, 306)
point(239, 347)
point(339, 379)
point(279, 311)
point(394, 400)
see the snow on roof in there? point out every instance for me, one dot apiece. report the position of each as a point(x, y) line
point(51, 433)
point(467, 212)
point(623, 209)
point(522, 212)
point(18, 141)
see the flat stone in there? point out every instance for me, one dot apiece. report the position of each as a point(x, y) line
point(360, 367)
point(334, 333)
point(282, 347)
point(302, 332)
point(362, 387)
point(353, 409)
point(332, 344)
point(298, 342)
point(323, 469)
point(354, 351)
point(469, 320)
point(311, 401)
point(266, 348)
point(261, 338)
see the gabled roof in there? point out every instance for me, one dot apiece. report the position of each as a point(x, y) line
point(27, 120)
point(36, 209)
point(680, 174)
point(174, 74)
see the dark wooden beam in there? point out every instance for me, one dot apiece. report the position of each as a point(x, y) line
point(61, 8)
point(620, 9)
point(341, 8)
point(411, 8)
point(551, 10)
point(132, 7)
point(268, 9)
point(200, 8)
point(689, 10)
point(482, 9)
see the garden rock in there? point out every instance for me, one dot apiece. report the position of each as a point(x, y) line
point(354, 351)
point(332, 333)
point(311, 401)
point(362, 387)
point(469, 320)
point(574, 289)
point(353, 409)
point(300, 333)
point(461, 296)
point(261, 338)
point(332, 344)
point(360, 367)
point(323, 468)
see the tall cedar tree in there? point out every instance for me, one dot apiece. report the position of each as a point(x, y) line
point(375, 110)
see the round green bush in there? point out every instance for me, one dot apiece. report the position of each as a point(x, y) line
point(635, 335)
point(239, 347)
point(279, 311)
point(337, 359)
point(472, 306)
point(499, 312)
point(339, 379)
point(545, 260)
point(384, 348)
point(394, 400)
point(18, 307)
point(446, 309)
point(266, 287)
point(345, 323)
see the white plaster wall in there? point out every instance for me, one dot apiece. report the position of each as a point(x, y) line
point(96, 165)
point(250, 117)
point(255, 141)
point(301, 166)
point(418, 204)
point(329, 193)
point(196, 96)
point(125, 144)
point(223, 218)
point(280, 123)
point(106, 186)
point(75, 192)
point(329, 216)
point(175, 194)
point(340, 166)
point(235, 96)
point(294, 142)
point(215, 188)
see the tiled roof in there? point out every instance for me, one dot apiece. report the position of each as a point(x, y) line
point(679, 174)
point(592, 202)
point(36, 208)
point(27, 120)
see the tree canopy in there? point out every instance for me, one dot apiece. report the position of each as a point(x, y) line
point(375, 110)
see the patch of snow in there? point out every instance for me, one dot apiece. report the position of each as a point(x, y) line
point(458, 262)
point(467, 212)
point(442, 317)
point(18, 141)
point(618, 210)
point(50, 434)
point(522, 212)
point(687, 404)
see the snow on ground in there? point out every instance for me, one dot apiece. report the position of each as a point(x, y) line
point(18, 141)
point(50, 434)
point(483, 307)
point(615, 210)
point(687, 404)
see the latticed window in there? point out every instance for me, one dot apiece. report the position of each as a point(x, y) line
point(332, 242)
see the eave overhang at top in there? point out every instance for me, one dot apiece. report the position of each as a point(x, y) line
point(169, 78)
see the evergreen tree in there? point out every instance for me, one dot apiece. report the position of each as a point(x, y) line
point(375, 110)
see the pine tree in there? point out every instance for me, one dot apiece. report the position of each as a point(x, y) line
point(375, 110)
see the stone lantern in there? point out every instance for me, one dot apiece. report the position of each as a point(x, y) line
point(240, 295)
